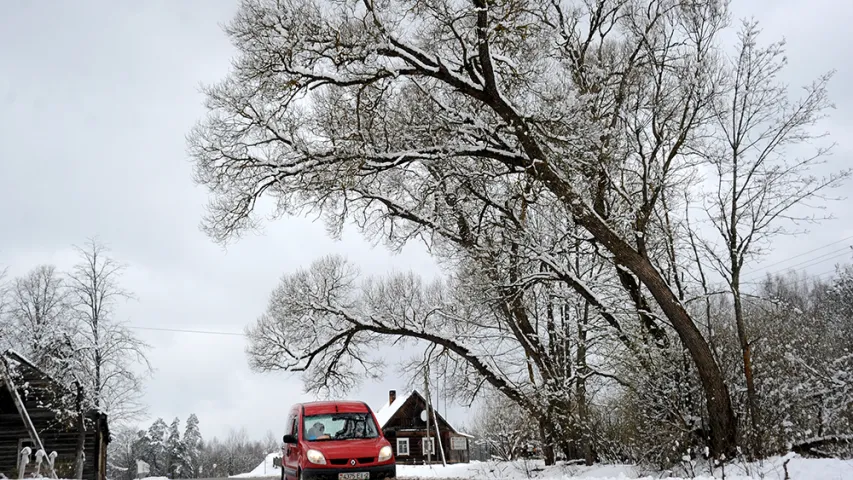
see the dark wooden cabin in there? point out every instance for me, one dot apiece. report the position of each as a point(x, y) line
point(401, 420)
point(36, 389)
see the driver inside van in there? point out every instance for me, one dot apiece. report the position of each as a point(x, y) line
point(315, 431)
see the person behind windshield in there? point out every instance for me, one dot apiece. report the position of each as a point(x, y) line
point(316, 431)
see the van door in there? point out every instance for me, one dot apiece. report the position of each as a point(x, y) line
point(290, 453)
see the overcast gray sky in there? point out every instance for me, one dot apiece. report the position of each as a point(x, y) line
point(96, 99)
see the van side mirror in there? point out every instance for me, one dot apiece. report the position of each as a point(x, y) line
point(289, 439)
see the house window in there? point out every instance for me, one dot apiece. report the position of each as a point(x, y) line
point(402, 446)
point(429, 445)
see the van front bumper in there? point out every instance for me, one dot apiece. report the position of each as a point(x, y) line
point(376, 472)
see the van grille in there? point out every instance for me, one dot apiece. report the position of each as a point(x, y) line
point(345, 461)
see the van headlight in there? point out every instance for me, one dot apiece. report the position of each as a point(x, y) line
point(385, 453)
point(314, 456)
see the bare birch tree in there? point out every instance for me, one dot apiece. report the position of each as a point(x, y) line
point(761, 177)
point(109, 351)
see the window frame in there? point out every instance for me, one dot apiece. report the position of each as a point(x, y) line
point(293, 427)
point(431, 445)
point(408, 447)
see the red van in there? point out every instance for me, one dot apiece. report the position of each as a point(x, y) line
point(335, 441)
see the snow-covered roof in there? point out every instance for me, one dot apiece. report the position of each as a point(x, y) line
point(388, 410)
point(20, 359)
point(384, 414)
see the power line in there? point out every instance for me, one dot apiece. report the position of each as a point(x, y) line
point(181, 330)
point(798, 256)
point(801, 281)
point(844, 251)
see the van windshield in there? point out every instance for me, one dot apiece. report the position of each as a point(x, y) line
point(339, 426)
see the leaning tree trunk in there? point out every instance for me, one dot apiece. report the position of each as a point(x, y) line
point(81, 435)
point(720, 413)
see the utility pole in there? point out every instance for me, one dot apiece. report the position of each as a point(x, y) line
point(437, 431)
point(427, 442)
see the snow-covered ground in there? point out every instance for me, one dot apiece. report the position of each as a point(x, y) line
point(799, 469)
point(265, 469)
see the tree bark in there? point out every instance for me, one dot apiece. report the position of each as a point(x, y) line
point(81, 435)
point(746, 352)
point(582, 370)
point(547, 444)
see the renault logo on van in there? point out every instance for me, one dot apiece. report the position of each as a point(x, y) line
point(352, 462)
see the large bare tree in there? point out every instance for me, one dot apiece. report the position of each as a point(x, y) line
point(432, 119)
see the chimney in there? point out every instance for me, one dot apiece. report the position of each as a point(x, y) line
point(392, 395)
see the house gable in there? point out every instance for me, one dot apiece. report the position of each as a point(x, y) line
point(402, 423)
point(405, 414)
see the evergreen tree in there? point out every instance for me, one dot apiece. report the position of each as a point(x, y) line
point(173, 448)
point(155, 441)
point(191, 446)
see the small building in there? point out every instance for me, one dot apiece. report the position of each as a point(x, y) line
point(403, 421)
point(26, 420)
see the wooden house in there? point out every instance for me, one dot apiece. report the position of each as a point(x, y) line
point(403, 421)
point(26, 392)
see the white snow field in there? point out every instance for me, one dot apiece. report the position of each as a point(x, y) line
point(265, 469)
point(799, 468)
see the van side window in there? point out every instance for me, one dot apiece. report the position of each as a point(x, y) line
point(288, 427)
point(294, 428)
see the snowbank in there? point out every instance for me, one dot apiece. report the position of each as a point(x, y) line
point(514, 471)
point(265, 469)
point(799, 469)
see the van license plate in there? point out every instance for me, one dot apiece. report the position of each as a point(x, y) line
point(354, 476)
